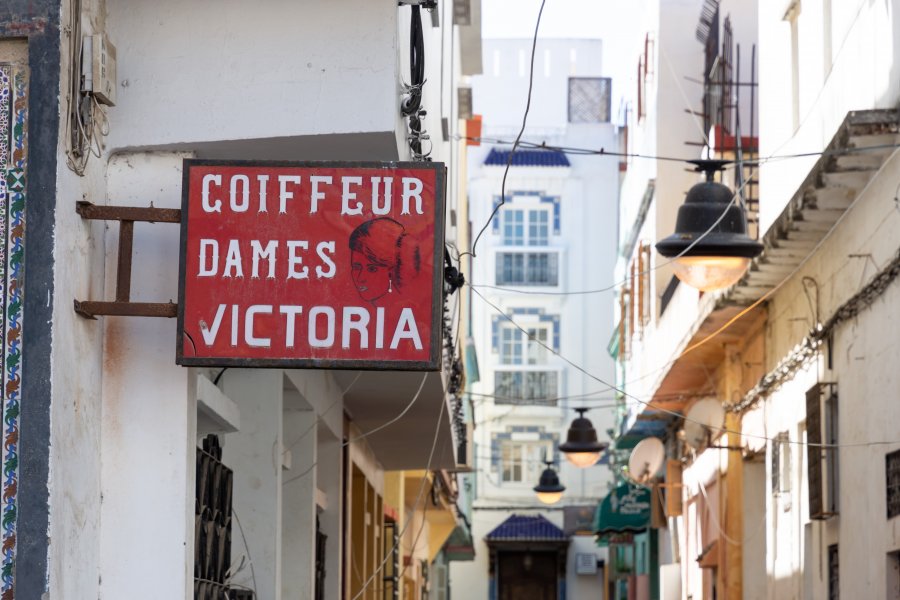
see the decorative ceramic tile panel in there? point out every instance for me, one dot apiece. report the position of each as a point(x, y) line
point(13, 164)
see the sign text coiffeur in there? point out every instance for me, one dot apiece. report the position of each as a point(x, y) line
point(311, 265)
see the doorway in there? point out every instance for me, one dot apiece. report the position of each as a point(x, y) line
point(527, 575)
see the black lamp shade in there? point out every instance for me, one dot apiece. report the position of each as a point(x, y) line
point(549, 483)
point(582, 437)
point(704, 204)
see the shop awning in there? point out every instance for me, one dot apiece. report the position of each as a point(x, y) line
point(625, 510)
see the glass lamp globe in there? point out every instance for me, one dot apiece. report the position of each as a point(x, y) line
point(549, 497)
point(711, 273)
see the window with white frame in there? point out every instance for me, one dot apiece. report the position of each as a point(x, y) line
point(528, 347)
point(521, 461)
point(525, 226)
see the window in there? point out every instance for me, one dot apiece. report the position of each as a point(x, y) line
point(892, 470)
point(528, 268)
point(526, 387)
point(822, 455)
point(522, 462)
point(833, 581)
point(525, 226)
point(781, 464)
point(519, 348)
point(589, 99)
point(524, 376)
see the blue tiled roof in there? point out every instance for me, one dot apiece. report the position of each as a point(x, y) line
point(528, 158)
point(521, 528)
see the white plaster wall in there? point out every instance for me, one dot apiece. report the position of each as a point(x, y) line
point(254, 453)
point(865, 372)
point(76, 363)
point(148, 407)
point(863, 74)
point(198, 71)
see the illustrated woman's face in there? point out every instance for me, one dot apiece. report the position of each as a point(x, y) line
point(372, 279)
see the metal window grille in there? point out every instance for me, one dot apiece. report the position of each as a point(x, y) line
point(212, 523)
point(528, 268)
point(781, 464)
point(589, 99)
point(833, 573)
point(892, 468)
point(538, 388)
point(391, 572)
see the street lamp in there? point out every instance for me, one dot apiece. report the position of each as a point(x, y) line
point(581, 447)
point(717, 259)
point(549, 490)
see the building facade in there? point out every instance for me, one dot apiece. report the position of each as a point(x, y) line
point(328, 484)
point(553, 235)
point(777, 454)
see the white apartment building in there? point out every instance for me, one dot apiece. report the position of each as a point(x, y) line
point(555, 234)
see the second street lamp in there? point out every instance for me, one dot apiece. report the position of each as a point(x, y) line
point(581, 447)
point(549, 490)
point(710, 245)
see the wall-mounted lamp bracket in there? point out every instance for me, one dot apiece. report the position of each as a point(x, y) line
point(122, 306)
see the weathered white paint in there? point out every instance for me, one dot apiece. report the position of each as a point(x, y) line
point(254, 453)
point(148, 407)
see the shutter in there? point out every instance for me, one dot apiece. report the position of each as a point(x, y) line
point(673, 488)
point(814, 452)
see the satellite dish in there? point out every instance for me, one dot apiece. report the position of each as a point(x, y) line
point(646, 459)
point(703, 421)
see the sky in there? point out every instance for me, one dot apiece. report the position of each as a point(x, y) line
point(608, 20)
point(604, 19)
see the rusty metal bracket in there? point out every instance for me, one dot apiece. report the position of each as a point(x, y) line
point(122, 306)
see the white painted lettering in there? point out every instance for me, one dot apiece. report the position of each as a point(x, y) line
point(321, 249)
point(209, 334)
point(295, 261)
point(263, 181)
point(233, 266)
point(244, 204)
point(283, 194)
point(406, 330)
point(315, 195)
point(355, 319)
point(259, 254)
point(379, 327)
point(412, 188)
point(234, 325)
point(290, 317)
point(212, 245)
point(381, 209)
point(312, 329)
point(216, 206)
point(249, 337)
point(347, 195)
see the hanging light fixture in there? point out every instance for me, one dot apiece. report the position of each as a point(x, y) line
point(717, 259)
point(582, 448)
point(549, 490)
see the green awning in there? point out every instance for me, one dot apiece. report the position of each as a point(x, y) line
point(625, 510)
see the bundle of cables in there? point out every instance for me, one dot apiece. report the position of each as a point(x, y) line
point(411, 106)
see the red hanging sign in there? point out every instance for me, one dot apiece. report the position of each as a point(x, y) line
point(319, 265)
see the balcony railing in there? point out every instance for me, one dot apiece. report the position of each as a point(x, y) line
point(527, 266)
point(526, 385)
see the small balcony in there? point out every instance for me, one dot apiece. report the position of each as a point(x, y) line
point(526, 384)
point(523, 266)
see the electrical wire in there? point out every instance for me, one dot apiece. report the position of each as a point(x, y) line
point(419, 496)
point(512, 152)
point(322, 414)
point(650, 405)
point(368, 433)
